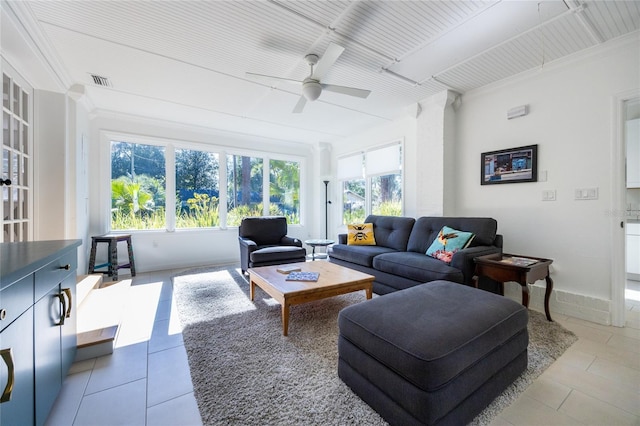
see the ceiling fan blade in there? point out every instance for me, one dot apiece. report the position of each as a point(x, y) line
point(330, 56)
point(271, 77)
point(351, 91)
point(300, 105)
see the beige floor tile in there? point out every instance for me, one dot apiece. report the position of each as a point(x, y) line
point(585, 331)
point(500, 421)
point(615, 371)
point(602, 388)
point(577, 358)
point(626, 343)
point(548, 392)
point(527, 411)
point(617, 355)
point(592, 411)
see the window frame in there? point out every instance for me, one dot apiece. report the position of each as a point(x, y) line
point(170, 146)
point(368, 177)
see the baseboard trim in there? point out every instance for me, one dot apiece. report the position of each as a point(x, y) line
point(565, 303)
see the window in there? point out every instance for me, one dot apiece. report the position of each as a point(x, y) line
point(284, 189)
point(138, 179)
point(197, 190)
point(160, 185)
point(244, 186)
point(371, 183)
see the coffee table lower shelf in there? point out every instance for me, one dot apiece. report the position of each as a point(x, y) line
point(334, 280)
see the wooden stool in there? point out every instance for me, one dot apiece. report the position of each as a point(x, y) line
point(112, 264)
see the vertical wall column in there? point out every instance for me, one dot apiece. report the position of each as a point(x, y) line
point(435, 139)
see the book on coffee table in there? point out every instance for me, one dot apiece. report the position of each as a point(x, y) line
point(303, 276)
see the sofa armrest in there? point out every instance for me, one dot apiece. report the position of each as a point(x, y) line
point(463, 260)
point(290, 241)
point(342, 238)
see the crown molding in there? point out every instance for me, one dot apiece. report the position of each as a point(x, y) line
point(31, 33)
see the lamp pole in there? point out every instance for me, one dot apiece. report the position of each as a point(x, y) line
point(326, 209)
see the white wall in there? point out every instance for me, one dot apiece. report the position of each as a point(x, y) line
point(570, 119)
point(52, 162)
point(158, 250)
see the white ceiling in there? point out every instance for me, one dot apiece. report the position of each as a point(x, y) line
point(185, 61)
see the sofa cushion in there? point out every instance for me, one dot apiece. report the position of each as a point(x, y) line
point(361, 234)
point(448, 242)
point(416, 266)
point(360, 255)
point(426, 230)
point(391, 231)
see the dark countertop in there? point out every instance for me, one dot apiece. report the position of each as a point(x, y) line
point(18, 260)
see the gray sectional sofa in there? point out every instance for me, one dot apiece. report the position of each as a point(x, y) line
point(399, 260)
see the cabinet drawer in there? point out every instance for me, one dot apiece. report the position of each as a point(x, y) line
point(15, 299)
point(54, 273)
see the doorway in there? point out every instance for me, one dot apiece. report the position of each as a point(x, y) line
point(631, 111)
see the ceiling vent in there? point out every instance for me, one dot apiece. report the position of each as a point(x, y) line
point(101, 81)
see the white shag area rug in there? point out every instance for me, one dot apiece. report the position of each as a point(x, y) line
point(244, 371)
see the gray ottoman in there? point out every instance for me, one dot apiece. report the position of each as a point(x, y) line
point(433, 354)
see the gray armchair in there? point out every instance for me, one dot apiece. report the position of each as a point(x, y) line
point(264, 241)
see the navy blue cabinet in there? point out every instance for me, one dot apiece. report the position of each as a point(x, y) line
point(37, 326)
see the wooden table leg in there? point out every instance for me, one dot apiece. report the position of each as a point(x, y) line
point(525, 295)
point(369, 293)
point(285, 319)
point(547, 296)
point(252, 287)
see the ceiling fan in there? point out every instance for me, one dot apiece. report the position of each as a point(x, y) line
point(312, 86)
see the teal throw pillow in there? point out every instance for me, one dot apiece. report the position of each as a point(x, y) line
point(448, 242)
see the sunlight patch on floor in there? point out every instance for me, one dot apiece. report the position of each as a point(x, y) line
point(632, 294)
point(139, 314)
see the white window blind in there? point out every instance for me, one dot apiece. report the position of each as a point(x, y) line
point(383, 161)
point(350, 167)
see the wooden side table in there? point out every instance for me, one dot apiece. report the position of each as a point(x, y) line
point(521, 269)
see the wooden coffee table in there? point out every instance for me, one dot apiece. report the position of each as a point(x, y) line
point(334, 280)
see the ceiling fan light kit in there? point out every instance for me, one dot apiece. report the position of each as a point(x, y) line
point(311, 89)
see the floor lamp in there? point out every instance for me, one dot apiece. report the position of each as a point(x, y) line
point(326, 209)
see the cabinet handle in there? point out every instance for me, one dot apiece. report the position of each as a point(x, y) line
point(66, 267)
point(64, 307)
point(7, 357)
point(67, 291)
point(3, 314)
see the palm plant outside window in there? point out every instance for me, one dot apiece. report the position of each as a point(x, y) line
point(140, 182)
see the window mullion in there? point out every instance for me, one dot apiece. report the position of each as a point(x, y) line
point(170, 194)
point(266, 186)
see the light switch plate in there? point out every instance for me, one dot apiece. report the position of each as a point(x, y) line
point(586, 194)
point(549, 195)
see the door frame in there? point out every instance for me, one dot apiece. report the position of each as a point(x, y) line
point(618, 206)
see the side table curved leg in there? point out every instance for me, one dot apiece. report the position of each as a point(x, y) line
point(525, 295)
point(547, 296)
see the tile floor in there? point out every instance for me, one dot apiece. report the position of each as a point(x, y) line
point(146, 380)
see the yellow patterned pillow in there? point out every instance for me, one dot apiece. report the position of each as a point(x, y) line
point(361, 234)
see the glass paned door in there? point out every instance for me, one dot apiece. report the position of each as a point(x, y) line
point(16, 172)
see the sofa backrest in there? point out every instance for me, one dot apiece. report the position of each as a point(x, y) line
point(391, 231)
point(264, 230)
point(426, 230)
